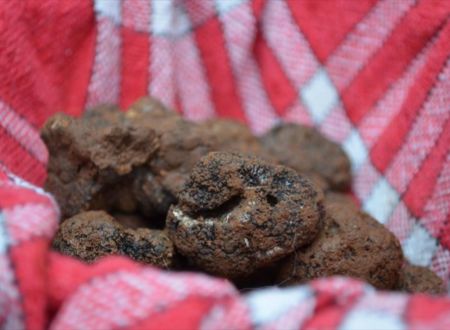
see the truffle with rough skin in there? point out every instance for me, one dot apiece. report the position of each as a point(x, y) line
point(308, 152)
point(95, 234)
point(351, 244)
point(91, 156)
point(417, 279)
point(147, 152)
point(181, 145)
point(238, 213)
point(232, 136)
point(332, 197)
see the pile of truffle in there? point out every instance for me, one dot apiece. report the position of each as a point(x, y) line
point(212, 197)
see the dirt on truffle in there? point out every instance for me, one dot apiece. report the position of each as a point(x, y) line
point(351, 244)
point(308, 152)
point(94, 234)
point(238, 213)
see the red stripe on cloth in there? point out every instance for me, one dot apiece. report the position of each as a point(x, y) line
point(20, 67)
point(426, 311)
point(326, 23)
point(333, 305)
point(328, 318)
point(19, 160)
point(279, 89)
point(391, 140)
point(42, 68)
point(29, 263)
point(78, 75)
point(178, 105)
point(422, 136)
point(62, 34)
point(3, 175)
point(38, 45)
point(444, 234)
point(135, 64)
point(211, 44)
point(421, 186)
point(333, 302)
point(12, 195)
point(258, 8)
point(407, 39)
point(364, 40)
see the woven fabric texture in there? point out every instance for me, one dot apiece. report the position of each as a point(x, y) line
point(371, 75)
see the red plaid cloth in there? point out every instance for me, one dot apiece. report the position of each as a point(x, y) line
point(372, 75)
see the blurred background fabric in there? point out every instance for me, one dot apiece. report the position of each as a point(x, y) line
point(371, 75)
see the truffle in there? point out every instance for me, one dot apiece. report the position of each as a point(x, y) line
point(308, 152)
point(351, 244)
point(232, 136)
point(95, 234)
point(417, 279)
point(238, 213)
point(90, 157)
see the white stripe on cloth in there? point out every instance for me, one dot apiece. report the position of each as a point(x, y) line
point(420, 246)
point(441, 265)
point(437, 208)
point(401, 222)
point(191, 80)
point(11, 313)
point(268, 306)
point(365, 39)
point(360, 319)
point(423, 134)
point(376, 120)
point(169, 19)
point(162, 83)
point(23, 133)
point(30, 220)
point(136, 15)
point(108, 8)
point(5, 240)
point(288, 44)
point(239, 30)
point(104, 86)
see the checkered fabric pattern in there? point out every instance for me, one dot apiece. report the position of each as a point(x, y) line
point(372, 75)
